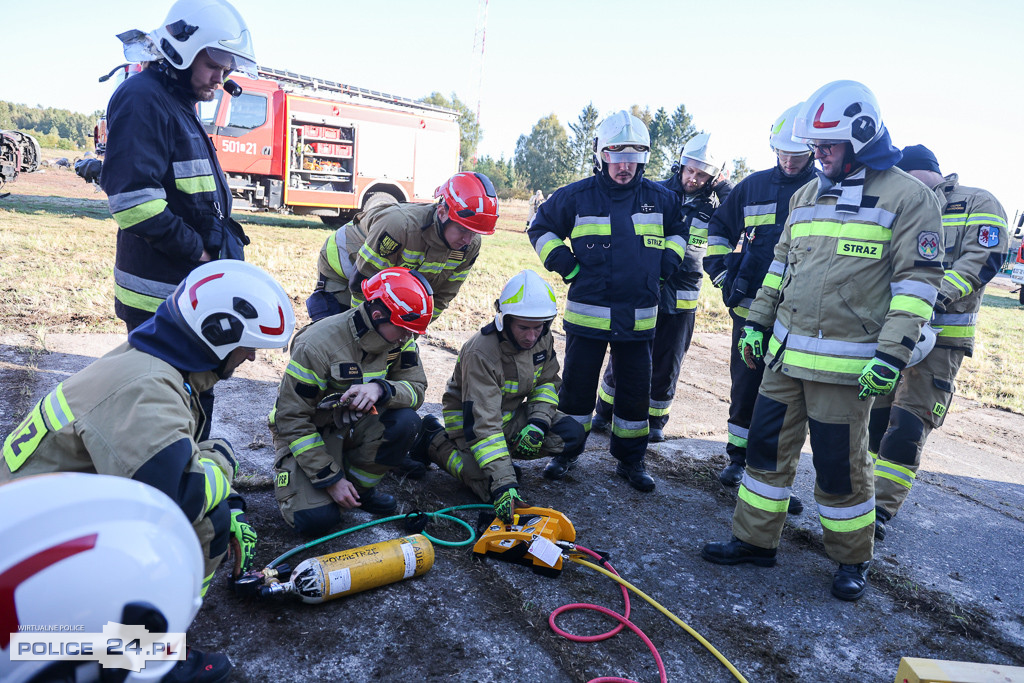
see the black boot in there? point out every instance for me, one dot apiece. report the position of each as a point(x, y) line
point(881, 518)
point(200, 667)
point(796, 506)
point(375, 502)
point(850, 581)
point(732, 474)
point(416, 464)
point(636, 475)
point(599, 424)
point(558, 466)
point(736, 552)
point(657, 435)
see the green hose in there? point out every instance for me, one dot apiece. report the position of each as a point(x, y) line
point(442, 513)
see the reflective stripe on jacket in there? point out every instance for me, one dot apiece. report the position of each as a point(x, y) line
point(844, 286)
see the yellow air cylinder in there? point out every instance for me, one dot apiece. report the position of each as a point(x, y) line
point(327, 577)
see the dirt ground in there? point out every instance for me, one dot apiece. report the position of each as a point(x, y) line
point(945, 583)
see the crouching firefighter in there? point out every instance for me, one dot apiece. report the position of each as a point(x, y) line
point(501, 402)
point(346, 407)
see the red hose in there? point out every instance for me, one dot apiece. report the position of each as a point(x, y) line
point(623, 620)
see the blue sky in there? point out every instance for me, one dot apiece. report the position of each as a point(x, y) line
point(947, 74)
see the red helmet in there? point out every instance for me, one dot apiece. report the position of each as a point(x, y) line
point(407, 295)
point(472, 201)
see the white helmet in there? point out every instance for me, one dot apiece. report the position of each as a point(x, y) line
point(781, 138)
point(924, 345)
point(87, 549)
point(621, 138)
point(696, 155)
point(228, 304)
point(214, 25)
point(526, 296)
point(841, 111)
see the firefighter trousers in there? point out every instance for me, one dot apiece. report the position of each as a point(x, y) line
point(785, 410)
point(565, 437)
point(742, 395)
point(901, 423)
point(311, 510)
point(671, 342)
point(632, 375)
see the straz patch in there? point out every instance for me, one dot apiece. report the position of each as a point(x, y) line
point(869, 250)
point(988, 236)
point(654, 241)
point(697, 241)
point(349, 371)
point(928, 244)
point(540, 357)
point(388, 245)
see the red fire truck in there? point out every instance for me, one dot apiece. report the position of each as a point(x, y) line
point(307, 146)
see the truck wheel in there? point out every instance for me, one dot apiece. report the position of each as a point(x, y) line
point(1020, 297)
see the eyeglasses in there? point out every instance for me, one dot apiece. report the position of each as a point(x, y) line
point(628, 148)
point(823, 149)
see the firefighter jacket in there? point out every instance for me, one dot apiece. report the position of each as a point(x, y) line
point(328, 357)
point(391, 234)
point(166, 191)
point(493, 377)
point(975, 239)
point(133, 413)
point(752, 218)
point(626, 240)
point(855, 275)
point(680, 292)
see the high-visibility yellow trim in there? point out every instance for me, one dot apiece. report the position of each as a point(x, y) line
point(911, 304)
point(847, 525)
point(136, 300)
point(761, 503)
point(202, 183)
point(848, 366)
point(137, 214)
point(859, 231)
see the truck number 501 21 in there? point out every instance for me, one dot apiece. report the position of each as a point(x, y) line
point(238, 147)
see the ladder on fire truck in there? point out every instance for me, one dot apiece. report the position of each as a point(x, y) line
point(319, 84)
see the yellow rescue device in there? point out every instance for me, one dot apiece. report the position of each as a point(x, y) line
point(535, 538)
point(918, 670)
point(327, 577)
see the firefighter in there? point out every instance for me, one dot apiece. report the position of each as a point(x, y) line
point(625, 237)
point(501, 402)
point(106, 550)
point(346, 407)
point(164, 185)
point(854, 278)
point(974, 234)
point(752, 219)
point(440, 241)
point(135, 412)
point(694, 183)
point(535, 201)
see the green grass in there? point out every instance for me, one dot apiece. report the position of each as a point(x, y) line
point(56, 275)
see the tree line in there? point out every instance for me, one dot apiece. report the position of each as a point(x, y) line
point(552, 155)
point(53, 128)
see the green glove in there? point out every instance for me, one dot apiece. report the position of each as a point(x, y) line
point(878, 378)
point(243, 542)
point(505, 500)
point(752, 339)
point(528, 442)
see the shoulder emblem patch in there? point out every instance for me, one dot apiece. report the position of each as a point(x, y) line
point(988, 236)
point(388, 245)
point(928, 244)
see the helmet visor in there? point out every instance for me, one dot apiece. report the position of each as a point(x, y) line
point(232, 60)
point(700, 166)
point(626, 154)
